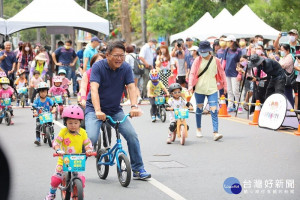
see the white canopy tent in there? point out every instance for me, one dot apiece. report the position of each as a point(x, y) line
point(193, 31)
point(247, 24)
point(2, 27)
point(56, 13)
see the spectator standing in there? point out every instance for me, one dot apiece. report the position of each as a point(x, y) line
point(26, 56)
point(89, 52)
point(179, 53)
point(146, 55)
point(8, 61)
point(66, 60)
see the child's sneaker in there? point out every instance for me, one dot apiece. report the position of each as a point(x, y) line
point(169, 140)
point(37, 141)
point(153, 118)
point(11, 122)
point(17, 105)
point(240, 110)
point(50, 197)
point(141, 174)
point(158, 117)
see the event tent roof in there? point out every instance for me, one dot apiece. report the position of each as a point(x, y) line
point(192, 31)
point(247, 24)
point(43, 13)
point(2, 27)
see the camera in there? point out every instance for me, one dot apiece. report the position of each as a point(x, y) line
point(250, 78)
point(284, 33)
point(179, 43)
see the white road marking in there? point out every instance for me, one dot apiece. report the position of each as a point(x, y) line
point(165, 189)
point(152, 181)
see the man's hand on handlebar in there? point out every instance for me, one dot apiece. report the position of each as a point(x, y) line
point(100, 115)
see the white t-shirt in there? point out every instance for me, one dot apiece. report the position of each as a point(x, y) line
point(147, 53)
point(296, 64)
point(180, 103)
point(130, 60)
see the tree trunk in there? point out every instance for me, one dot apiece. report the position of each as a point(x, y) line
point(125, 20)
point(38, 35)
point(144, 26)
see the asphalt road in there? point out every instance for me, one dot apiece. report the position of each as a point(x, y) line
point(263, 161)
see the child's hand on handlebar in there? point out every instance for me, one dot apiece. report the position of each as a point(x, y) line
point(60, 152)
point(89, 152)
point(53, 110)
point(35, 113)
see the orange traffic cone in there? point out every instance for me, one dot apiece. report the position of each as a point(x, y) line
point(298, 131)
point(223, 110)
point(256, 113)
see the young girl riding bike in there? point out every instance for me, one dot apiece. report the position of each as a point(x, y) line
point(69, 140)
point(6, 92)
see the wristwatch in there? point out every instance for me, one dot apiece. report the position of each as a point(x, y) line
point(134, 106)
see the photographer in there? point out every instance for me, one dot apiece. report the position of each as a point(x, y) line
point(273, 70)
point(178, 52)
point(293, 37)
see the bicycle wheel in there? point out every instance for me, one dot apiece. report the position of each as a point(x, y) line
point(7, 118)
point(48, 135)
point(182, 134)
point(77, 190)
point(124, 173)
point(65, 194)
point(22, 101)
point(56, 114)
point(163, 114)
point(102, 170)
point(44, 138)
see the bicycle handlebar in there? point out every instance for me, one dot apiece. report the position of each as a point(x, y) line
point(115, 122)
point(88, 155)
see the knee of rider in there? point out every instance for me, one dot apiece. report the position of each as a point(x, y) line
point(172, 126)
point(213, 109)
point(199, 108)
point(56, 180)
point(82, 177)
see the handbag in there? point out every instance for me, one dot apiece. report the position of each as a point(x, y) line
point(205, 69)
point(290, 78)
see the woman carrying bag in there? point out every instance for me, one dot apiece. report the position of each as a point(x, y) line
point(206, 78)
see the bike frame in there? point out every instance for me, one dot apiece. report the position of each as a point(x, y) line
point(117, 148)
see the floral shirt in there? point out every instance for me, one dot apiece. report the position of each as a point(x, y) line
point(71, 143)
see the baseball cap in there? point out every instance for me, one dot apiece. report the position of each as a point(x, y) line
point(193, 48)
point(96, 39)
point(294, 31)
point(230, 38)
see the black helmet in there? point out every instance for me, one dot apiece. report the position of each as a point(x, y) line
point(174, 86)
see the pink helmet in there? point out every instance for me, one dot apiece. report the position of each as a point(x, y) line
point(57, 79)
point(73, 112)
point(2, 74)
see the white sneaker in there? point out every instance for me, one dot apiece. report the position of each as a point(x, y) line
point(139, 100)
point(199, 134)
point(217, 136)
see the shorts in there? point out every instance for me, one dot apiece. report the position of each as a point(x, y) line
point(181, 80)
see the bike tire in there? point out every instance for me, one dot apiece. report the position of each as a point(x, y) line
point(77, 190)
point(163, 115)
point(65, 194)
point(48, 135)
point(44, 139)
point(23, 101)
point(102, 170)
point(7, 118)
point(124, 173)
point(182, 134)
point(56, 115)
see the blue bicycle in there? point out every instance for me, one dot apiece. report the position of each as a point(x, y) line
point(106, 157)
point(5, 112)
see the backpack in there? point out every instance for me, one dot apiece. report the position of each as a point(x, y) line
point(138, 67)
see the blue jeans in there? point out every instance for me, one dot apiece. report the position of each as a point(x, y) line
point(213, 102)
point(74, 81)
point(93, 124)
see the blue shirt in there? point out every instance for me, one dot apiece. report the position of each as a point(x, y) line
point(8, 62)
point(220, 53)
point(65, 56)
point(46, 105)
point(111, 86)
point(232, 58)
point(187, 58)
point(89, 52)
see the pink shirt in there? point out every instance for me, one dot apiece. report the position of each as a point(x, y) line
point(55, 91)
point(65, 83)
point(5, 94)
point(35, 82)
